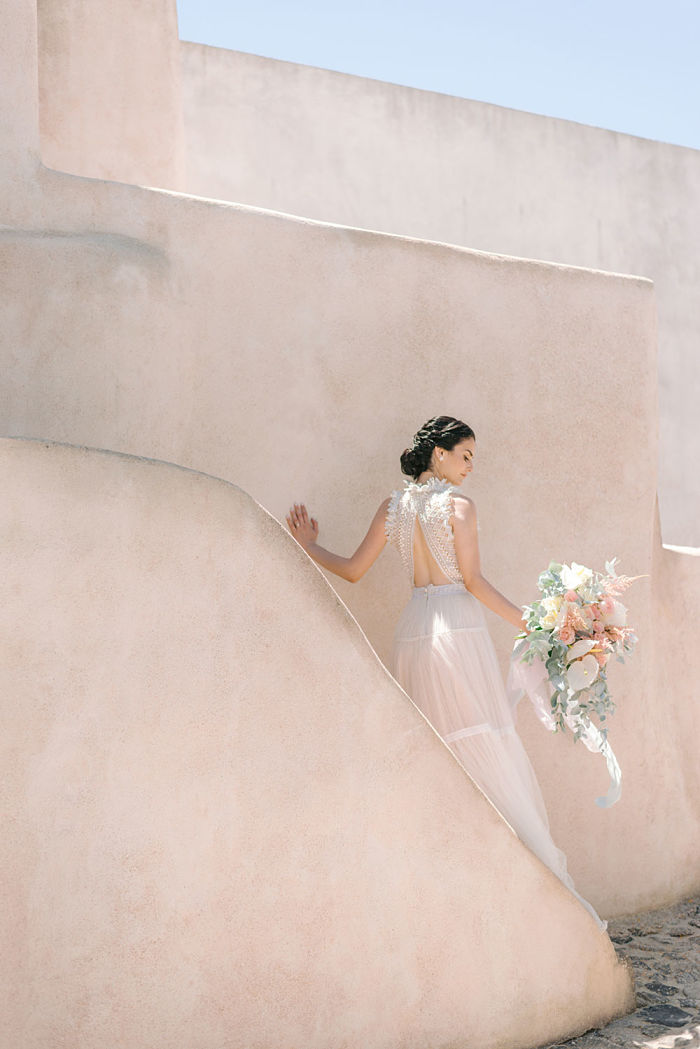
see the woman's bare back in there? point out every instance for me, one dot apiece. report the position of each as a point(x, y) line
point(425, 568)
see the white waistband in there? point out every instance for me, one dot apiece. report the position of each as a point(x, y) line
point(434, 588)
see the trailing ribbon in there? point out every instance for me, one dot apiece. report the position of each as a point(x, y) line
point(532, 680)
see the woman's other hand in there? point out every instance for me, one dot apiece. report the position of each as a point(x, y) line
point(303, 528)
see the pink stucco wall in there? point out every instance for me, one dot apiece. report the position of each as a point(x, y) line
point(109, 90)
point(379, 156)
point(295, 359)
point(230, 825)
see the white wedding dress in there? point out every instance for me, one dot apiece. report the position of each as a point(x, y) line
point(444, 658)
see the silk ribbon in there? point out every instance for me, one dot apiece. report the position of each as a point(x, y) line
point(532, 680)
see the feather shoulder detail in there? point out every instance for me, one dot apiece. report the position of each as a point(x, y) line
point(435, 484)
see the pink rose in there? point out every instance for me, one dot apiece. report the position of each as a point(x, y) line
point(566, 634)
point(571, 596)
point(598, 626)
point(595, 611)
point(607, 605)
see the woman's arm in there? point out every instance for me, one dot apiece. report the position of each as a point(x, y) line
point(305, 531)
point(467, 550)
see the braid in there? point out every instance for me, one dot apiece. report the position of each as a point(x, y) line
point(443, 431)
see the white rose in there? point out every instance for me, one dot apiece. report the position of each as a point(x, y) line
point(552, 605)
point(575, 575)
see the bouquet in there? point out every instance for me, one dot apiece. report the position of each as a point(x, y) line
point(576, 627)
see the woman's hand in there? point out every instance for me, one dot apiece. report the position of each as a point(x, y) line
point(303, 528)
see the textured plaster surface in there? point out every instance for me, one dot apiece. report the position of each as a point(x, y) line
point(233, 342)
point(663, 948)
point(230, 826)
point(375, 155)
point(296, 359)
point(109, 90)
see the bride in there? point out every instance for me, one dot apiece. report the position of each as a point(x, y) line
point(442, 653)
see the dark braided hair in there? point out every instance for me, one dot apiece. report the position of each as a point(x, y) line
point(441, 432)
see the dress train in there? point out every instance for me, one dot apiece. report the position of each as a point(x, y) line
point(445, 660)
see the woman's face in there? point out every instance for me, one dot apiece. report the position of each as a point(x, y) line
point(457, 463)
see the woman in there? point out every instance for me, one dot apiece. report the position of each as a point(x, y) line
point(442, 654)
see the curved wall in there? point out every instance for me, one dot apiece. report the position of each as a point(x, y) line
point(297, 359)
point(230, 825)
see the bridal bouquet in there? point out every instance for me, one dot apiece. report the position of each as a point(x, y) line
point(576, 627)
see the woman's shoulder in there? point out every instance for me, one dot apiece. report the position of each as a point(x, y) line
point(464, 507)
point(463, 501)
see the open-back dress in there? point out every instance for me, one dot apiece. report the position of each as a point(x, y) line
point(444, 658)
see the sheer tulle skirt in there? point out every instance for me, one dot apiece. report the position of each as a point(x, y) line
point(444, 658)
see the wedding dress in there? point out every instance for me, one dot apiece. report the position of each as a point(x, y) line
point(444, 658)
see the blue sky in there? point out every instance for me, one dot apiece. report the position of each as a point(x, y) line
point(632, 67)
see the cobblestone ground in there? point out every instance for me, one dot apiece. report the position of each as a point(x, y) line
point(664, 949)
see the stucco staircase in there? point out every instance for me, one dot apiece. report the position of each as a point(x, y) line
point(229, 826)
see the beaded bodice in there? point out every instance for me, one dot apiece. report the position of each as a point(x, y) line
point(431, 503)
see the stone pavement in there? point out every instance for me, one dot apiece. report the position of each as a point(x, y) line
point(664, 950)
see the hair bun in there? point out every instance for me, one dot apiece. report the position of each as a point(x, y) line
point(444, 431)
point(409, 462)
